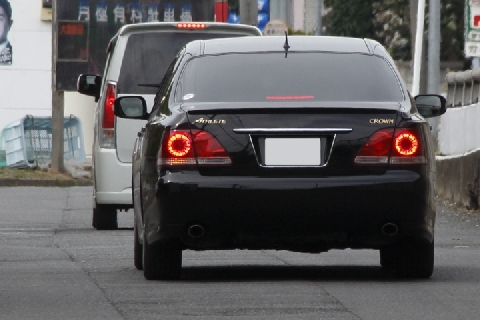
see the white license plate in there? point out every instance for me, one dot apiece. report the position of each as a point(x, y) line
point(292, 151)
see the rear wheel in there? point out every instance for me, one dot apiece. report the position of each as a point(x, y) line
point(161, 261)
point(104, 217)
point(137, 249)
point(415, 259)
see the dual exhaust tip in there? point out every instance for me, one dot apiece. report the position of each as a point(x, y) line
point(390, 229)
point(195, 231)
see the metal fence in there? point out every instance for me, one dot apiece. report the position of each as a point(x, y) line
point(463, 87)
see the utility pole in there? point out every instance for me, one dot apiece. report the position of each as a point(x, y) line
point(57, 163)
point(434, 60)
point(318, 28)
point(249, 12)
point(434, 47)
point(278, 10)
point(417, 62)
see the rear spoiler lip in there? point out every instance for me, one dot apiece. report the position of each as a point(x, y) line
point(202, 107)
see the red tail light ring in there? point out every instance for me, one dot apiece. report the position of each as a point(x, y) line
point(185, 147)
point(399, 146)
point(179, 144)
point(406, 144)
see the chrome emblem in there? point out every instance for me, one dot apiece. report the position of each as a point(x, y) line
point(210, 121)
point(381, 121)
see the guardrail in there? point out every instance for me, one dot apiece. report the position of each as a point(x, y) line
point(463, 87)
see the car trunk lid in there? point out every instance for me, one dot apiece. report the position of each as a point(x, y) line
point(281, 139)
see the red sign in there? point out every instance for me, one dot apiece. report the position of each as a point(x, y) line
point(72, 29)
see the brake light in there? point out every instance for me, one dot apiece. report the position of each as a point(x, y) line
point(108, 117)
point(185, 147)
point(290, 97)
point(400, 146)
point(406, 144)
point(179, 145)
point(191, 25)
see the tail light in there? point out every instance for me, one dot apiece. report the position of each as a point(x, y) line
point(400, 146)
point(185, 147)
point(107, 131)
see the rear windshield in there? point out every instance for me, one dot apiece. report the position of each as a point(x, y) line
point(148, 55)
point(299, 76)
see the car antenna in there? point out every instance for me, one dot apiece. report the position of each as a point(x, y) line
point(286, 46)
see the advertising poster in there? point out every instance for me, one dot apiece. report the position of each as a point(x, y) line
point(6, 21)
point(86, 26)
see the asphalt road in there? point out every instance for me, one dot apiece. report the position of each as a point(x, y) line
point(54, 265)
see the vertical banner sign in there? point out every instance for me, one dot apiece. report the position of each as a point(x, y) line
point(472, 28)
point(85, 28)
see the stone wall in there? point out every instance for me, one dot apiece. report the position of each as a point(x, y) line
point(458, 179)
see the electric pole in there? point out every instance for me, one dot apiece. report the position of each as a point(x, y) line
point(433, 46)
point(433, 78)
point(249, 12)
point(318, 27)
point(57, 163)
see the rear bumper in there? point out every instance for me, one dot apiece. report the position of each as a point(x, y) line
point(113, 179)
point(304, 214)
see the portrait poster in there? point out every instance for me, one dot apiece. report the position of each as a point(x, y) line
point(6, 22)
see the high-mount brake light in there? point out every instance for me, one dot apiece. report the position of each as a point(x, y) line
point(108, 117)
point(191, 25)
point(185, 147)
point(276, 98)
point(399, 146)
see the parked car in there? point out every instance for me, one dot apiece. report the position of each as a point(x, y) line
point(301, 143)
point(137, 57)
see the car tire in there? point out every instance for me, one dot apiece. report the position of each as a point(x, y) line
point(137, 249)
point(388, 257)
point(415, 259)
point(161, 261)
point(104, 217)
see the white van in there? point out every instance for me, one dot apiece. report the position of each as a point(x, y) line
point(137, 57)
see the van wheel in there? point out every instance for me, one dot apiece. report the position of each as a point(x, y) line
point(104, 217)
point(415, 259)
point(161, 261)
point(137, 249)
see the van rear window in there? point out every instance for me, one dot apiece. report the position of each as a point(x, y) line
point(148, 55)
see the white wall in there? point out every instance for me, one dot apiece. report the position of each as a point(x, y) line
point(25, 86)
point(458, 130)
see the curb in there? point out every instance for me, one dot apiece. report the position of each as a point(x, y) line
point(45, 183)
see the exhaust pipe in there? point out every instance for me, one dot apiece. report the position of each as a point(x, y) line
point(390, 229)
point(196, 231)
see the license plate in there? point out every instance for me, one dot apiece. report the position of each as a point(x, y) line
point(292, 151)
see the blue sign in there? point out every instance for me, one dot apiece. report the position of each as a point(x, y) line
point(263, 6)
point(233, 18)
point(263, 19)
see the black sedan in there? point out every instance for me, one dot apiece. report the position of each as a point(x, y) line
point(290, 143)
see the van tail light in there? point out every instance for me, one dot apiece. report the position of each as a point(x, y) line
point(107, 131)
point(185, 147)
point(392, 146)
